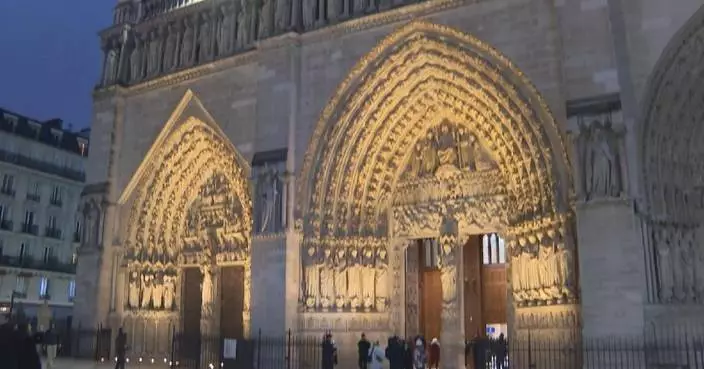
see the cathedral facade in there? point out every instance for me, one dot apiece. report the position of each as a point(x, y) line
point(334, 165)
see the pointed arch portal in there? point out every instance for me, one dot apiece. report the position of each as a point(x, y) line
point(188, 236)
point(361, 196)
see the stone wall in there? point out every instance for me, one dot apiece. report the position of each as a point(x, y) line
point(268, 286)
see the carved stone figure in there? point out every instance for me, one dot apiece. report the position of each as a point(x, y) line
point(282, 17)
point(146, 291)
point(430, 157)
point(226, 32)
point(599, 155)
point(268, 189)
point(360, 6)
point(154, 60)
point(354, 279)
point(381, 279)
point(466, 142)
point(136, 71)
point(327, 281)
point(170, 48)
point(265, 19)
point(341, 296)
point(312, 278)
point(207, 291)
point(168, 292)
point(158, 294)
point(309, 11)
point(243, 25)
point(111, 64)
point(204, 40)
point(186, 59)
point(545, 254)
point(368, 277)
point(133, 298)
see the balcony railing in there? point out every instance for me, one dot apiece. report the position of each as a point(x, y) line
point(50, 264)
point(6, 224)
point(53, 233)
point(33, 197)
point(9, 191)
point(42, 166)
point(56, 202)
point(30, 228)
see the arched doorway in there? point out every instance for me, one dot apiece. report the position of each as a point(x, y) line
point(187, 244)
point(672, 162)
point(433, 135)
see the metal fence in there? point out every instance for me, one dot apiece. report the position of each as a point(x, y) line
point(85, 343)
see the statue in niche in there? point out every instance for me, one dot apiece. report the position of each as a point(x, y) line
point(565, 262)
point(381, 280)
point(327, 280)
point(309, 12)
point(204, 40)
point(282, 16)
point(154, 60)
point(168, 292)
point(133, 297)
point(598, 147)
point(447, 154)
point(170, 48)
point(146, 290)
point(207, 290)
point(226, 31)
point(268, 188)
point(340, 278)
point(186, 59)
point(430, 157)
point(136, 59)
point(243, 25)
point(111, 64)
point(517, 283)
point(265, 20)
point(354, 275)
point(368, 274)
point(312, 277)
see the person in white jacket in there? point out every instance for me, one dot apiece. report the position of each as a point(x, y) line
point(376, 356)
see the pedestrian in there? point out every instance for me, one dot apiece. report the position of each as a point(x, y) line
point(419, 357)
point(363, 347)
point(377, 356)
point(51, 341)
point(501, 351)
point(329, 352)
point(407, 354)
point(8, 345)
point(28, 358)
point(121, 348)
point(434, 354)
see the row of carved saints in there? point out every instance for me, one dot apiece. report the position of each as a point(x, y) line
point(151, 291)
point(679, 264)
point(346, 278)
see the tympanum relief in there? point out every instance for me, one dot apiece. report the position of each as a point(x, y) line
point(349, 276)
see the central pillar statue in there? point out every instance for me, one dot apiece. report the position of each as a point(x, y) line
point(452, 336)
point(209, 313)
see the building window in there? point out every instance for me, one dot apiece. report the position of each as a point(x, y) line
point(431, 251)
point(8, 184)
point(493, 249)
point(77, 232)
point(44, 288)
point(23, 251)
point(29, 226)
point(56, 196)
point(21, 285)
point(74, 258)
point(71, 290)
point(52, 222)
point(33, 191)
point(5, 222)
point(52, 229)
point(48, 254)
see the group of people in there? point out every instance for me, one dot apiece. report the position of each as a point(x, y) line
point(487, 352)
point(401, 353)
point(20, 348)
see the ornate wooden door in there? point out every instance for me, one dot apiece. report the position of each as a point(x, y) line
point(473, 317)
point(431, 290)
point(189, 344)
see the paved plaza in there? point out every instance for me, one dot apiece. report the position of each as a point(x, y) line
point(90, 364)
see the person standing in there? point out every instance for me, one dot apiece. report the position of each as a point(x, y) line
point(51, 341)
point(28, 358)
point(363, 347)
point(329, 352)
point(501, 351)
point(121, 348)
point(419, 357)
point(377, 356)
point(434, 357)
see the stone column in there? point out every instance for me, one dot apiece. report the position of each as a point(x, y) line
point(397, 286)
point(452, 336)
point(246, 309)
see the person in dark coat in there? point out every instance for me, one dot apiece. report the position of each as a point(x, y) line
point(479, 348)
point(121, 349)
point(408, 354)
point(28, 358)
point(8, 346)
point(329, 352)
point(501, 351)
point(363, 347)
point(51, 340)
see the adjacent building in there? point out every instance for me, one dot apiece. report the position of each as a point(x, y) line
point(41, 169)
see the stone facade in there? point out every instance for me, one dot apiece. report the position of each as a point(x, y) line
point(544, 121)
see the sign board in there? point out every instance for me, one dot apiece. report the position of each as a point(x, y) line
point(229, 349)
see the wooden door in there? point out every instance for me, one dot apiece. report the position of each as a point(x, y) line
point(431, 290)
point(232, 302)
point(494, 293)
point(189, 344)
point(473, 317)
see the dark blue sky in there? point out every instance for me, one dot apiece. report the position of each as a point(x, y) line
point(50, 56)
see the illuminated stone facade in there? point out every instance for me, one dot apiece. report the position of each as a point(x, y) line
point(310, 147)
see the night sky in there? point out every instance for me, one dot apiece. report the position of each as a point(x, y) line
point(50, 57)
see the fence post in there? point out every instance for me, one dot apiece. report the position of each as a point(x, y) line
point(97, 342)
point(531, 364)
point(172, 363)
point(288, 350)
point(259, 349)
